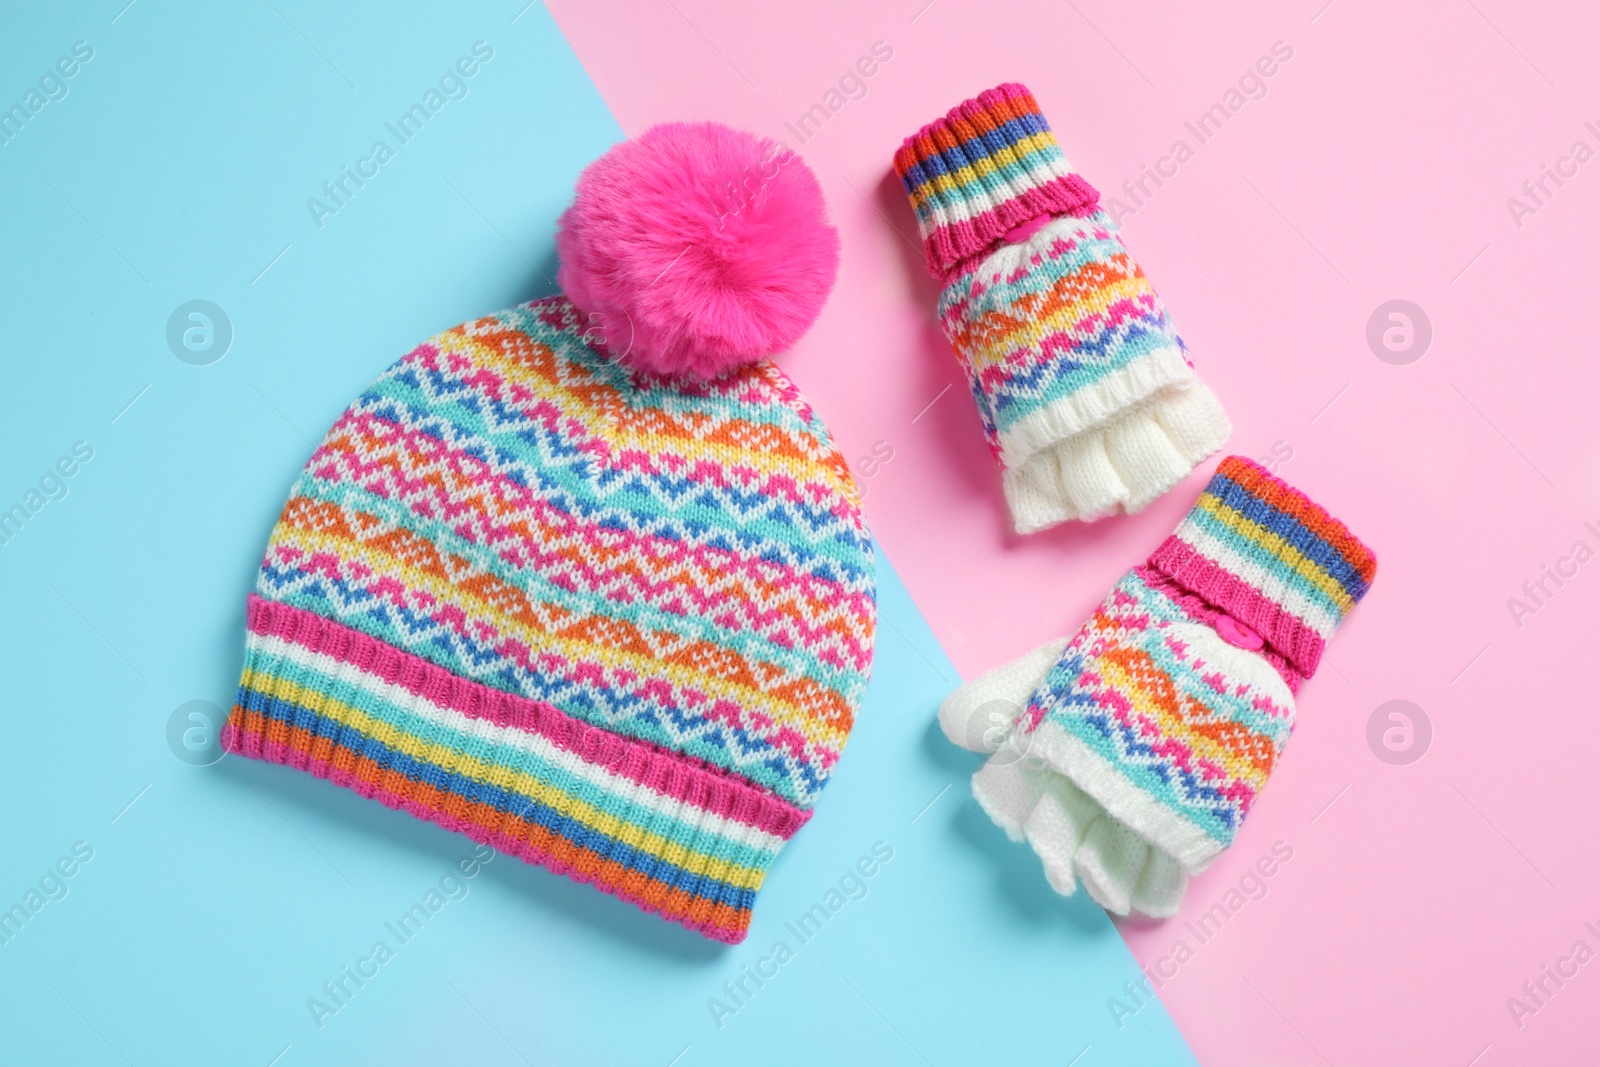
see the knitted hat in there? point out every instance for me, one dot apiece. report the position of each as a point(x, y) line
point(583, 582)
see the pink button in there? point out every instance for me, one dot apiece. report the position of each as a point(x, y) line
point(1237, 633)
point(1019, 233)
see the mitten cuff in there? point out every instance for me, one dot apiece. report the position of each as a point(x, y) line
point(1123, 462)
point(989, 166)
point(1269, 557)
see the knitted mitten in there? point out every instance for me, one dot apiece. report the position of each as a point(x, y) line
point(1128, 756)
point(1086, 393)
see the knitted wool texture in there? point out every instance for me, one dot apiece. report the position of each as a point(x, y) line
point(1084, 389)
point(1140, 748)
point(615, 624)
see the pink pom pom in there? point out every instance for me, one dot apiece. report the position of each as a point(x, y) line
point(695, 248)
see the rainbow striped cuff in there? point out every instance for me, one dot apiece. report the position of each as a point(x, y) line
point(987, 167)
point(660, 830)
point(1267, 556)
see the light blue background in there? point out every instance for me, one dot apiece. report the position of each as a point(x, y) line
point(219, 899)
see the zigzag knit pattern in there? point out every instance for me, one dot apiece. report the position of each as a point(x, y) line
point(613, 624)
point(1036, 328)
point(1135, 691)
point(1172, 729)
point(1084, 390)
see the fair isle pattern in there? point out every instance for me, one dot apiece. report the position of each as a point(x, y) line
point(1036, 325)
point(1172, 727)
point(1267, 555)
point(680, 567)
point(1135, 690)
point(988, 166)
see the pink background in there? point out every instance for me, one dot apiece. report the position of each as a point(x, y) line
point(1378, 166)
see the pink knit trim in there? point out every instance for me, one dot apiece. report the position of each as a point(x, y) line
point(668, 773)
point(1229, 594)
point(1198, 609)
point(953, 247)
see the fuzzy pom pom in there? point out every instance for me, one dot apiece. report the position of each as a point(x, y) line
point(695, 248)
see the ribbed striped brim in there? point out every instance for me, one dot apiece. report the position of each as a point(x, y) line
point(656, 828)
point(989, 165)
point(1270, 557)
